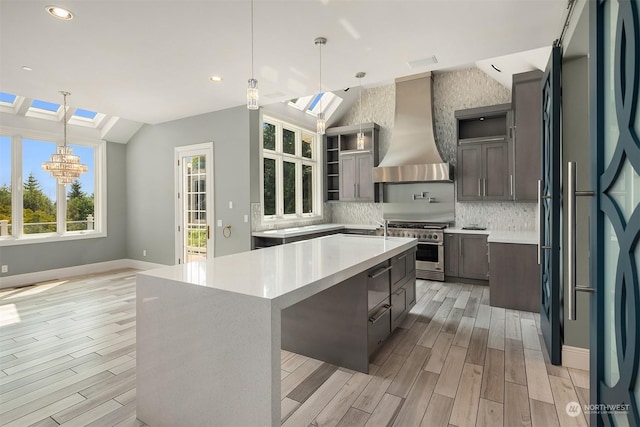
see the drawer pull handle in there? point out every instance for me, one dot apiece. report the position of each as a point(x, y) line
point(374, 319)
point(379, 273)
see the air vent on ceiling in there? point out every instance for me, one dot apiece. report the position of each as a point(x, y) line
point(418, 63)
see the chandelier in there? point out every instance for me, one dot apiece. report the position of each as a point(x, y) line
point(64, 166)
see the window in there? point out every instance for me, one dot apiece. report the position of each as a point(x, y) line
point(45, 210)
point(290, 172)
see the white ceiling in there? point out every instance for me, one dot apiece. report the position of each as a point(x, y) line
point(149, 61)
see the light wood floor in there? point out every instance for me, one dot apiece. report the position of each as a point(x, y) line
point(67, 357)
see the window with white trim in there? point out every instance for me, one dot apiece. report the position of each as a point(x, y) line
point(33, 206)
point(291, 172)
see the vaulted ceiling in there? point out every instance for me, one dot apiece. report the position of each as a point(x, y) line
point(149, 61)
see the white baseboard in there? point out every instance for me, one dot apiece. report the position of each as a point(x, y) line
point(78, 270)
point(575, 357)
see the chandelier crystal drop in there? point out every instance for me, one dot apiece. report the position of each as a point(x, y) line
point(64, 165)
point(321, 123)
point(252, 88)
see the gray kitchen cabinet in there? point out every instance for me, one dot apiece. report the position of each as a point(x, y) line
point(466, 256)
point(470, 172)
point(526, 134)
point(515, 288)
point(451, 255)
point(484, 167)
point(356, 177)
point(346, 323)
point(349, 170)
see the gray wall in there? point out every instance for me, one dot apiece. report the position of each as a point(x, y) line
point(452, 91)
point(35, 257)
point(575, 147)
point(151, 192)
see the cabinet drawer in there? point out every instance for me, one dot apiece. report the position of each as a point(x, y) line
point(378, 284)
point(379, 325)
point(398, 269)
point(410, 289)
point(398, 305)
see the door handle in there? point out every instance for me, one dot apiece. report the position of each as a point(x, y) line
point(208, 232)
point(540, 222)
point(374, 319)
point(571, 236)
point(484, 186)
point(511, 185)
point(379, 272)
point(479, 186)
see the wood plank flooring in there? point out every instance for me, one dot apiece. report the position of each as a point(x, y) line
point(67, 357)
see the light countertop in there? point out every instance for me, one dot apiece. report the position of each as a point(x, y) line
point(288, 273)
point(501, 236)
point(310, 229)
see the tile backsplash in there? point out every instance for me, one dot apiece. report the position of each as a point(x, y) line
point(452, 91)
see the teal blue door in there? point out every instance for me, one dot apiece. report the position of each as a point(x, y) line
point(615, 217)
point(549, 190)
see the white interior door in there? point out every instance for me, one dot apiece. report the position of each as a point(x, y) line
point(194, 203)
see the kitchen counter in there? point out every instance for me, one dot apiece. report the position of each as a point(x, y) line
point(310, 229)
point(501, 236)
point(209, 333)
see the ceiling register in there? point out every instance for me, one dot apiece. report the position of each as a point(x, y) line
point(64, 165)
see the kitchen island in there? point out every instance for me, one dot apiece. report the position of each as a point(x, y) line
point(209, 333)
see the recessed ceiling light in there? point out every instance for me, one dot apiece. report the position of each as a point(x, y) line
point(216, 79)
point(60, 12)
point(27, 68)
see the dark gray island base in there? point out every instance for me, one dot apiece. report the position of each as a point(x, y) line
point(345, 324)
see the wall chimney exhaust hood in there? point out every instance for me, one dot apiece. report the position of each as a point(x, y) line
point(413, 155)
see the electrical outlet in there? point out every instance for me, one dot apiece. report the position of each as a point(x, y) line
point(144, 252)
point(5, 268)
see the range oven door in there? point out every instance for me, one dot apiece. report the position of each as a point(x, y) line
point(430, 256)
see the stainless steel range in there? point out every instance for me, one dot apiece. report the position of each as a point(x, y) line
point(430, 255)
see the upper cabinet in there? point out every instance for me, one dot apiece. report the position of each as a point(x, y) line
point(499, 146)
point(526, 134)
point(484, 169)
point(349, 168)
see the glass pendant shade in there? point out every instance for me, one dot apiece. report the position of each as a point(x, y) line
point(321, 124)
point(64, 165)
point(360, 140)
point(252, 94)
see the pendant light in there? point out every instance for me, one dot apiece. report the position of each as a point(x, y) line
point(321, 123)
point(252, 89)
point(360, 134)
point(64, 166)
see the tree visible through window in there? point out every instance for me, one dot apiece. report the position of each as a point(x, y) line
point(290, 171)
point(42, 210)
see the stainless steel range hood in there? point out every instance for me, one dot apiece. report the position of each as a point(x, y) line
point(413, 155)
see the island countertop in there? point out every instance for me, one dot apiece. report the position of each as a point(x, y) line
point(288, 273)
point(209, 333)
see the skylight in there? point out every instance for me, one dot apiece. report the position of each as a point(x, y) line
point(311, 104)
point(315, 101)
point(7, 98)
point(85, 114)
point(44, 105)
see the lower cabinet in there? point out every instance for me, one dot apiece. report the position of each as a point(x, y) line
point(348, 322)
point(515, 277)
point(466, 256)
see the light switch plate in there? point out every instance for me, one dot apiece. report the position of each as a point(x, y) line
point(219, 223)
point(230, 204)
